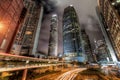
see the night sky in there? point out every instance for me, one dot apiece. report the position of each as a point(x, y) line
point(86, 11)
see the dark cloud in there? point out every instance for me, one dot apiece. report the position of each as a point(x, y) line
point(49, 5)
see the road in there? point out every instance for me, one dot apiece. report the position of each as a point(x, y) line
point(54, 75)
point(70, 75)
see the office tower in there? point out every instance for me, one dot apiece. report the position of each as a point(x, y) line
point(110, 11)
point(53, 40)
point(26, 42)
point(10, 19)
point(87, 46)
point(102, 52)
point(71, 36)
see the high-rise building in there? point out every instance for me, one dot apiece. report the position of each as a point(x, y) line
point(102, 52)
point(110, 11)
point(53, 41)
point(73, 50)
point(27, 39)
point(106, 35)
point(87, 46)
point(10, 19)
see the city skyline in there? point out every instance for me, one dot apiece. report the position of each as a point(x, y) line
point(27, 35)
point(88, 20)
point(59, 39)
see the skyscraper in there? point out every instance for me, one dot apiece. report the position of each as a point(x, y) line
point(102, 52)
point(110, 11)
point(26, 42)
point(10, 19)
point(87, 46)
point(73, 50)
point(53, 41)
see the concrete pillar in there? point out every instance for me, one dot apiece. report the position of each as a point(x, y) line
point(24, 74)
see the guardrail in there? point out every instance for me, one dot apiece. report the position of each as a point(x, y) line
point(11, 62)
point(6, 56)
point(22, 67)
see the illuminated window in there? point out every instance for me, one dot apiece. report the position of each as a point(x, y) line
point(28, 33)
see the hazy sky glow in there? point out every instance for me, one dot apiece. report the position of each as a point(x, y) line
point(87, 17)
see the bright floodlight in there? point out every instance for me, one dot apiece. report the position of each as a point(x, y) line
point(71, 5)
point(1, 26)
point(113, 3)
point(54, 15)
point(118, 1)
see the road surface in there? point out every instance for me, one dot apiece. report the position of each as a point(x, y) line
point(70, 75)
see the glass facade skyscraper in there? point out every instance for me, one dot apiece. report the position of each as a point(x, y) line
point(87, 46)
point(53, 41)
point(71, 35)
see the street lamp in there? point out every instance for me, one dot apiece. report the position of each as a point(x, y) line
point(1, 32)
point(1, 26)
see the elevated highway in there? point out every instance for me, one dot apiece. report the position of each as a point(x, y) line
point(10, 62)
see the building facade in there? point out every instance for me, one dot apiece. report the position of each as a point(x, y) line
point(106, 35)
point(26, 42)
point(110, 11)
point(10, 19)
point(53, 40)
point(87, 46)
point(73, 50)
point(101, 51)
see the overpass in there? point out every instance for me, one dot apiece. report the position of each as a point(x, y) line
point(9, 62)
